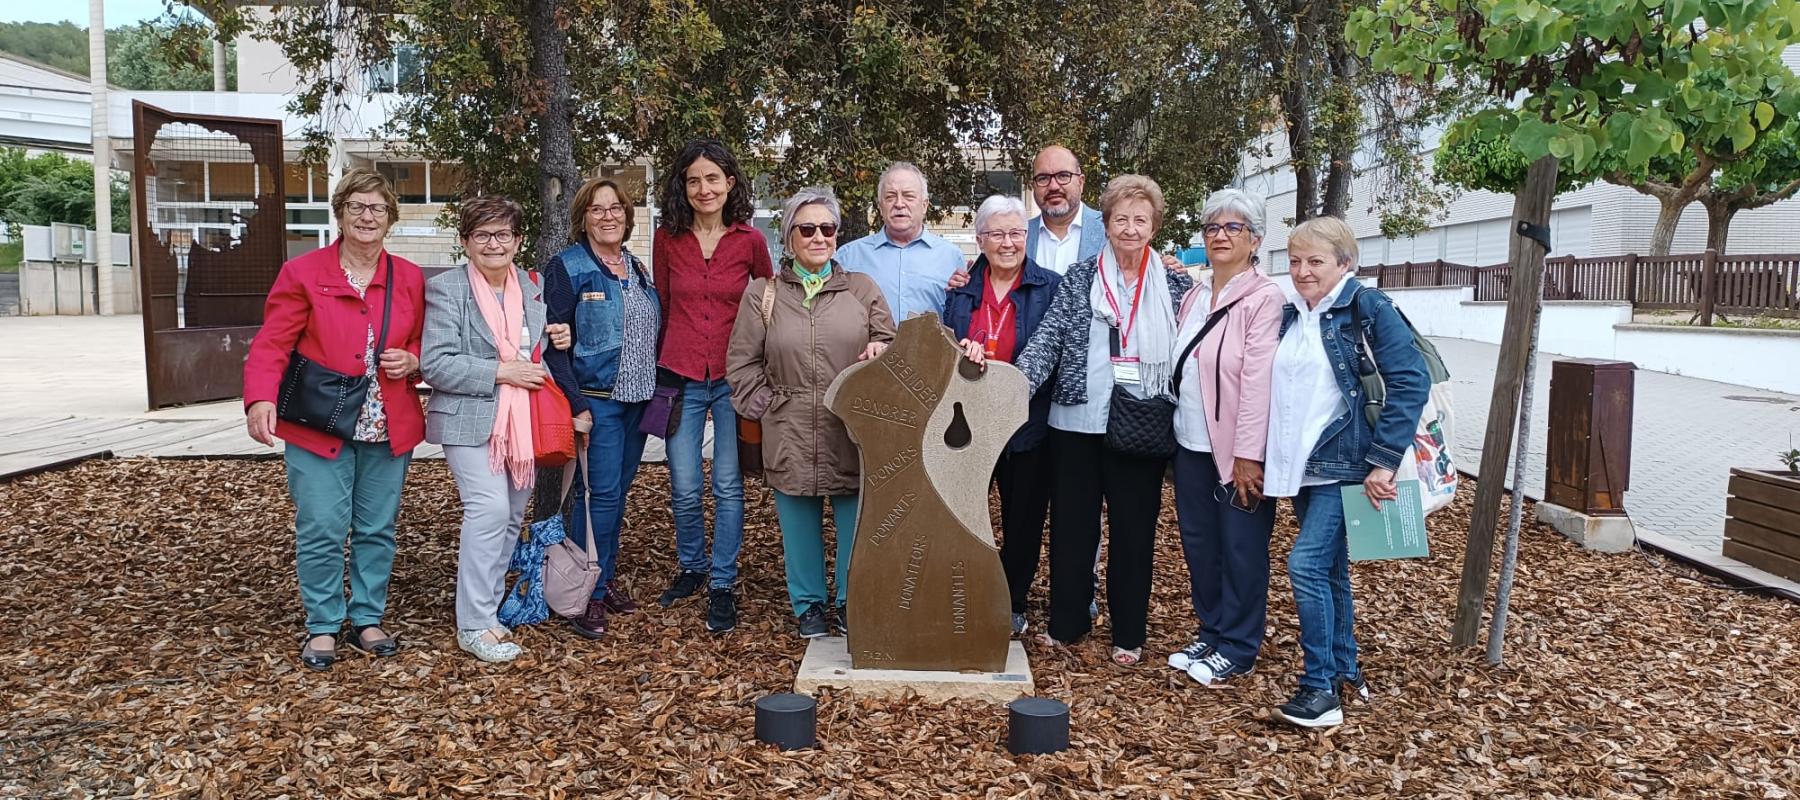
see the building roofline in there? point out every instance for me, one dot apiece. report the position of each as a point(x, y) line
point(8, 55)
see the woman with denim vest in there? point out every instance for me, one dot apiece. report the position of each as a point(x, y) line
point(605, 292)
point(1320, 440)
point(1226, 341)
point(992, 315)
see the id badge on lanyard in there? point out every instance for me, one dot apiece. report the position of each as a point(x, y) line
point(1124, 368)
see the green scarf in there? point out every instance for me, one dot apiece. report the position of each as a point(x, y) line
point(811, 282)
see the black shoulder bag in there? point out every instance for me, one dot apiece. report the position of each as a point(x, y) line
point(323, 399)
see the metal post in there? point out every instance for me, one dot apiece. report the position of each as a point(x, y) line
point(1509, 560)
point(102, 156)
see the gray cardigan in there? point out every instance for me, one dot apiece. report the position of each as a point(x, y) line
point(1060, 345)
point(459, 358)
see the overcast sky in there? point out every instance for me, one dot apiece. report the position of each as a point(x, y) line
point(118, 12)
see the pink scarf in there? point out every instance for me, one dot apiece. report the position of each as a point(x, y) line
point(509, 448)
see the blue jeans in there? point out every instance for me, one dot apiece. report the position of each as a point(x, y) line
point(803, 545)
point(615, 448)
point(688, 482)
point(1319, 569)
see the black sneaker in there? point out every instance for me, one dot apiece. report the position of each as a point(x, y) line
point(1353, 689)
point(1310, 708)
point(813, 623)
point(840, 619)
point(1215, 671)
point(686, 583)
point(721, 610)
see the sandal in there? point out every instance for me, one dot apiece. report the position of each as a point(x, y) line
point(317, 660)
point(379, 648)
point(1046, 640)
point(1127, 658)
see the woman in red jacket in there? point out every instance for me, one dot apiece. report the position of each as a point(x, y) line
point(327, 306)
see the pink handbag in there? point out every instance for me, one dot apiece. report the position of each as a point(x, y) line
point(570, 571)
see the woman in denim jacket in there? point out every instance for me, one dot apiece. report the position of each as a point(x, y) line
point(1320, 440)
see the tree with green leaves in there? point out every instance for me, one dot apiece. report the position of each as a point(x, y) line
point(169, 54)
point(1571, 81)
point(52, 187)
point(1769, 173)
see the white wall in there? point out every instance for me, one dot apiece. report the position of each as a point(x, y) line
point(1764, 359)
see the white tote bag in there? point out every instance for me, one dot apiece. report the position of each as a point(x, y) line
point(1428, 460)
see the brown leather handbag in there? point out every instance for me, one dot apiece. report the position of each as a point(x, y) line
point(749, 431)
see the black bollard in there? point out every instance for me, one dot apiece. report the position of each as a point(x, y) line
point(1037, 725)
point(788, 721)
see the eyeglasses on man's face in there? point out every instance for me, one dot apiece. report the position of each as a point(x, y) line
point(605, 212)
point(1062, 178)
point(495, 237)
point(1233, 229)
point(807, 229)
point(356, 209)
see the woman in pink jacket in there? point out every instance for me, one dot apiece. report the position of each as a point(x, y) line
point(1225, 346)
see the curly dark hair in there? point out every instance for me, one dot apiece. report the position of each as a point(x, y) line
point(677, 216)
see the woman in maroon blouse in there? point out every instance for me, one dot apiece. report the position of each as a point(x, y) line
point(704, 254)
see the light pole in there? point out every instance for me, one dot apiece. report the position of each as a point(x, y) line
point(103, 277)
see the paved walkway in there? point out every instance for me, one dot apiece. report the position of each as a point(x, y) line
point(1687, 434)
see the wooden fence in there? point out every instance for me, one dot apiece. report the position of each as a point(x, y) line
point(1704, 283)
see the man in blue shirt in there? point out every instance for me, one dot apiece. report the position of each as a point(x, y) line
point(910, 264)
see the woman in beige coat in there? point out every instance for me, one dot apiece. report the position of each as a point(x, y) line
point(794, 334)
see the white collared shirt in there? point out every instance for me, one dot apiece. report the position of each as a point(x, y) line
point(1190, 406)
point(1058, 255)
point(1303, 399)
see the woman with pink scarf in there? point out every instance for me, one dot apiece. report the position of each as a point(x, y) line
point(482, 325)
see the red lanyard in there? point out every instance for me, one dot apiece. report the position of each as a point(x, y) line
point(987, 311)
point(1106, 285)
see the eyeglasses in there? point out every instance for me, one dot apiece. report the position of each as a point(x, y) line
point(602, 212)
point(1212, 229)
point(1043, 179)
point(497, 237)
point(807, 229)
point(355, 209)
point(1001, 236)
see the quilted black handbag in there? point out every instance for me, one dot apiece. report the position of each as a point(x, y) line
point(323, 399)
point(1145, 426)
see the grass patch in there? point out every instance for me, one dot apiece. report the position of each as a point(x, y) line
point(11, 253)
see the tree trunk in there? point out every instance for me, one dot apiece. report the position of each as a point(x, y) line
point(557, 177)
point(1668, 216)
point(1300, 149)
point(1346, 127)
point(1525, 261)
point(1718, 223)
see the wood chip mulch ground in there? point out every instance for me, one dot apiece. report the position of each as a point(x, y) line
point(152, 627)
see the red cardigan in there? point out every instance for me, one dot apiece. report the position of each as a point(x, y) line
point(313, 308)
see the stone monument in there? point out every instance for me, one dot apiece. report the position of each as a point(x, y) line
point(927, 591)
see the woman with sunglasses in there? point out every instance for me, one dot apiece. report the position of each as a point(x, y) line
point(1225, 343)
point(1322, 440)
point(605, 292)
point(794, 333)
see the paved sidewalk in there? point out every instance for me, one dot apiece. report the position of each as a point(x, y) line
point(1687, 434)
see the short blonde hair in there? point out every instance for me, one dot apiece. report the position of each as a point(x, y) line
point(359, 180)
point(1133, 187)
point(1329, 234)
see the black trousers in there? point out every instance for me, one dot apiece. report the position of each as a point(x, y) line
point(1089, 475)
point(1024, 478)
point(1227, 553)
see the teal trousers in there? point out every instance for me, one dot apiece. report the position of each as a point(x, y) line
point(355, 496)
point(803, 546)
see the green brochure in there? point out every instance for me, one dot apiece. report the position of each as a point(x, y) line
point(1396, 531)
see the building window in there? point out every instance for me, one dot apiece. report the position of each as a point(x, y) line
point(179, 182)
point(407, 178)
point(232, 181)
point(995, 181)
point(446, 182)
point(402, 72)
point(295, 183)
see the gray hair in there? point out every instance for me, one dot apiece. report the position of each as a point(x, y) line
point(1238, 202)
point(809, 196)
point(897, 168)
point(994, 206)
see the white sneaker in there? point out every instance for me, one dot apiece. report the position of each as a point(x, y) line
point(1186, 657)
point(492, 652)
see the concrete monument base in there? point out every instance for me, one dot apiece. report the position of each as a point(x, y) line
point(827, 664)
point(1609, 534)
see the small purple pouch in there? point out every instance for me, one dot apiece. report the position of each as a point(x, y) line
point(662, 414)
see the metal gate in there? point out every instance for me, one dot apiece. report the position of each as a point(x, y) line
point(210, 239)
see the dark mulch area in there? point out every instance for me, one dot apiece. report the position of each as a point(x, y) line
point(154, 625)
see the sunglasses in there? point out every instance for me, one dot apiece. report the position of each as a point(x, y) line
point(807, 229)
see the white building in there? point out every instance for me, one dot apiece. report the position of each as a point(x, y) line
point(1596, 220)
